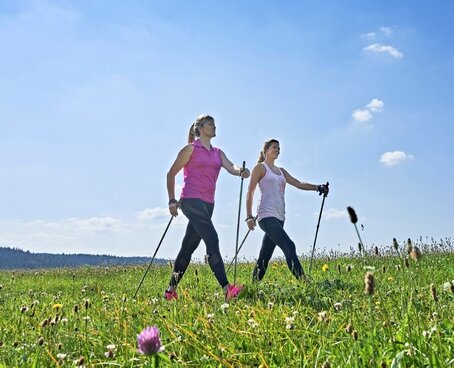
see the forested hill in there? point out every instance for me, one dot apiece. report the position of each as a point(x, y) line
point(14, 258)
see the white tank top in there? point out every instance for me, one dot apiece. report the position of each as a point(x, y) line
point(272, 192)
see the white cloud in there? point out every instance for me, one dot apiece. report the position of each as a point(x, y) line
point(394, 158)
point(152, 213)
point(375, 105)
point(362, 115)
point(365, 114)
point(334, 213)
point(370, 35)
point(379, 48)
point(387, 31)
point(97, 224)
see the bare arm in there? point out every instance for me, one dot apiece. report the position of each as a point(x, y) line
point(298, 184)
point(233, 169)
point(182, 159)
point(258, 172)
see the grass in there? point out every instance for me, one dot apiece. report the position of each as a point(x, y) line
point(87, 317)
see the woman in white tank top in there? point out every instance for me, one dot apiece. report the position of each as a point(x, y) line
point(271, 209)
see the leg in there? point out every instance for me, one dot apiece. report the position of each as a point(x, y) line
point(199, 214)
point(274, 228)
point(190, 243)
point(266, 252)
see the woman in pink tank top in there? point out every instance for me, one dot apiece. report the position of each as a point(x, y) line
point(201, 164)
point(271, 209)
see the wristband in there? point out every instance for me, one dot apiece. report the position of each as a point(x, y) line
point(172, 201)
point(250, 217)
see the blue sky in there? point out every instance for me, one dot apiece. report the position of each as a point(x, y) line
point(96, 98)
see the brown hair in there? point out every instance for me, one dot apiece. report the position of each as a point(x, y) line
point(198, 123)
point(265, 148)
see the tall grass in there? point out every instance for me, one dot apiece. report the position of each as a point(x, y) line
point(87, 317)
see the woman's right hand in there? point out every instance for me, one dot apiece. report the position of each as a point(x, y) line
point(251, 223)
point(173, 208)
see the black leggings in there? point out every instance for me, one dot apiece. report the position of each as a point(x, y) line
point(276, 235)
point(199, 227)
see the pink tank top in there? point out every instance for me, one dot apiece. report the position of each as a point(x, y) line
point(201, 173)
point(272, 189)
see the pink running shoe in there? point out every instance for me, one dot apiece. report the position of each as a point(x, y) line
point(233, 291)
point(171, 295)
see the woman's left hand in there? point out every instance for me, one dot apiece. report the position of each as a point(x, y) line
point(245, 173)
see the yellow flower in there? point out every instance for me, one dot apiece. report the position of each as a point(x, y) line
point(57, 306)
point(325, 267)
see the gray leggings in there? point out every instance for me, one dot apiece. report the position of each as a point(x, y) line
point(200, 227)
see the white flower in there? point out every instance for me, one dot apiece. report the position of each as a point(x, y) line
point(338, 306)
point(252, 323)
point(224, 307)
point(61, 356)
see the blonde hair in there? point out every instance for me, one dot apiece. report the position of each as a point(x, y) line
point(198, 123)
point(265, 148)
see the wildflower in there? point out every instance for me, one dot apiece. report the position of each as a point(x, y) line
point(390, 278)
point(270, 305)
point(338, 306)
point(210, 317)
point(355, 335)
point(251, 322)
point(57, 306)
point(433, 291)
point(323, 316)
point(348, 268)
point(149, 342)
point(110, 353)
point(325, 267)
point(395, 244)
point(349, 328)
point(352, 214)
point(416, 254)
point(409, 247)
point(369, 283)
point(383, 364)
point(289, 323)
point(225, 307)
point(61, 356)
point(40, 341)
point(80, 361)
point(406, 262)
point(326, 365)
point(448, 286)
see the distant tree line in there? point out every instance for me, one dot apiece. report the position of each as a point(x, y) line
point(14, 258)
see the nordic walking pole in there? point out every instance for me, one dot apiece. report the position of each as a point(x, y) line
point(316, 232)
point(239, 248)
point(154, 255)
point(238, 223)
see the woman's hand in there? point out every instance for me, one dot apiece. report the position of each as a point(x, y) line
point(245, 173)
point(173, 207)
point(251, 222)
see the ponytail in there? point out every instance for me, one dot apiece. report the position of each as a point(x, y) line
point(265, 148)
point(198, 123)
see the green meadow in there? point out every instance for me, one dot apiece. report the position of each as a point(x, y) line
point(87, 317)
